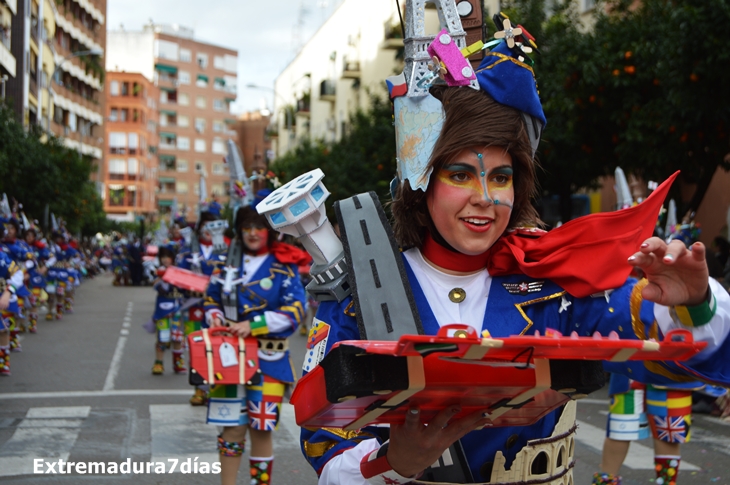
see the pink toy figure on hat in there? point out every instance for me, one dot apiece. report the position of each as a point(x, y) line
point(458, 70)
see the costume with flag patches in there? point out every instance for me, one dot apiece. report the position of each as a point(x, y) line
point(572, 280)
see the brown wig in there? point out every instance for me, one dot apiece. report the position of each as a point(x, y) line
point(472, 119)
point(247, 217)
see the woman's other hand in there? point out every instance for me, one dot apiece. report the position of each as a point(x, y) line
point(677, 275)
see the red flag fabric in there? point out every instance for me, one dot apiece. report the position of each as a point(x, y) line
point(288, 254)
point(583, 256)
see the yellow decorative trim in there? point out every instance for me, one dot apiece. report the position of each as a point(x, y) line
point(655, 367)
point(531, 302)
point(315, 450)
point(348, 309)
point(635, 301)
point(294, 311)
point(504, 58)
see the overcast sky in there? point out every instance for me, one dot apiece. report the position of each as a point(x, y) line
point(263, 32)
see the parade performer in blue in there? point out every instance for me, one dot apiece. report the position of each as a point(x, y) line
point(37, 280)
point(466, 176)
point(20, 253)
point(269, 304)
point(207, 253)
point(167, 318)
point(11, 282)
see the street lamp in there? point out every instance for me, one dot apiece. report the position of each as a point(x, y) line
point(287, 111)
point(93, 52)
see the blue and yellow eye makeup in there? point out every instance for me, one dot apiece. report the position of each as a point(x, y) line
point(493, 185)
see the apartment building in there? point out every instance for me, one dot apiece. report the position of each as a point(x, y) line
point(130, 174)
point(254, 141)
point(27, 57)
point(197, 84)
point(345, 62)
point(8, 10)
point(77, 100)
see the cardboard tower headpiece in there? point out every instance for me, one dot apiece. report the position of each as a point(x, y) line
point(504, 74)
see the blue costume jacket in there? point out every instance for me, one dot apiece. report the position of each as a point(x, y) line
point(509, 313)
point(274, 287)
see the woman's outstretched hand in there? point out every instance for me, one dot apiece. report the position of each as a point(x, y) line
point(677, 275)
point(414, 446)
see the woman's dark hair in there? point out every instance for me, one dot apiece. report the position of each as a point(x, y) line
point(165, 251)
point(247, 217)
point(204, 217)
point(472, 119)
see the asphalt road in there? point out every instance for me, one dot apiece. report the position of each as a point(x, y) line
point(82, 390)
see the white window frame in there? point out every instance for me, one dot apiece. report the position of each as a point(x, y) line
point(183, 143)
point(200, 145)
point(183, 77)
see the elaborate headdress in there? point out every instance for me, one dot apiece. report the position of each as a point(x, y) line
point(505, 74)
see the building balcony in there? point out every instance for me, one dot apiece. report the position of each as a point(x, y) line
point(304, 105)
point(351, 69)
point(327, 90)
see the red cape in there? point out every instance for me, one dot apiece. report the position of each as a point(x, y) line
point(288, 254)
point(586, 255)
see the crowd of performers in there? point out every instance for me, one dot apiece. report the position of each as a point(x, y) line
point(38, 276)
point(270, 305)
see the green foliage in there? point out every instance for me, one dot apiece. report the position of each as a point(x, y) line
point(39, 174)
point(363, 160)
point(640, 90)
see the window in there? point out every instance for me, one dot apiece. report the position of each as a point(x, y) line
point(116, 194)
point(114, 88)
point(163, 119)
point(183, 77)
point(72, 121)
point(186, 55)
point(200, 125)
point(183, 121)
point(118, 143)
point(219, 105)
point(199, 167)
point(217, 189)
point(219, 62)
point(133, 143)
point(183, 143)
point(218, 169)
point(200, 101)
point(181, 187)
point(218, 126)
point(182, 165)
point(132, 166)
point(125, 89)
point(200, 145)
point(201, 81)
point(123, 114)
point(113, 115)
point(588, 4)
point(163, 97)
point(184, 99)
point(202, 60)
point(117, 166)
point(164, 49)
point(151, 126)
point(218, 147)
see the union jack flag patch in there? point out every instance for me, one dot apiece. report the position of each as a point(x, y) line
point(263, 415)
point(671, 429)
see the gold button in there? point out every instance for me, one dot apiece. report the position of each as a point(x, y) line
point(457, 295)
point(610, 309)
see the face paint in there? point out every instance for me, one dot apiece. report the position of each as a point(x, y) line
point(493, 185)
point(470, 203)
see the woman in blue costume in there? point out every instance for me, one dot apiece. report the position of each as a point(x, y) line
point(203, 258)
point(270, 303)
point(11, 282)
point(449, 216)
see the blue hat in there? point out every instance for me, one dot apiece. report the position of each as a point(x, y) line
point(260, 196)
point(510, 81)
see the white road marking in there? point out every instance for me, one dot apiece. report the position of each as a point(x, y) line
point(39, 436)
point(640, 457)
point(114, 367)
point(59, 412)
point(110, 393)
point(117, 358)
point(179, 432)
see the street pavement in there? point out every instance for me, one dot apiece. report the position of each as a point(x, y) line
point(82, 391)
